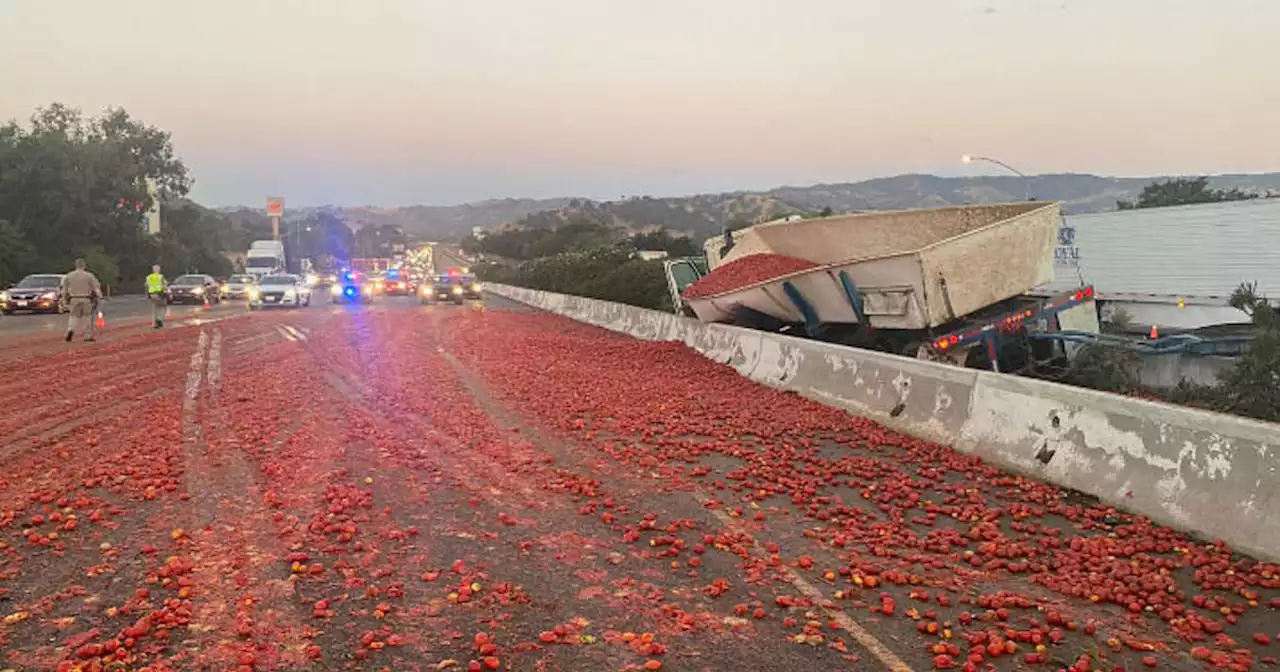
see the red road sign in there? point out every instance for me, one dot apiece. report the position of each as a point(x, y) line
point(275, 206)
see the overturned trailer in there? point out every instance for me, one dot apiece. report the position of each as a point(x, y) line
point(946, 284)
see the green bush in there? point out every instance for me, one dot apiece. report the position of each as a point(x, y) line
point(606, 273)
point(1106, 368)
point(101, 264)
point(1252, 387)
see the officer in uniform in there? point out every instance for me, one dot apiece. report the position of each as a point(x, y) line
point(156, 286)
point(81, 290)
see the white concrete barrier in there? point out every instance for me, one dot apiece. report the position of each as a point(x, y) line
point(1211, 474)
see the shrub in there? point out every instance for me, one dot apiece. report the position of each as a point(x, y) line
point(606, 273)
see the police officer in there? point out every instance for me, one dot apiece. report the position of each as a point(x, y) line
point(81, 290)
point(156, 286)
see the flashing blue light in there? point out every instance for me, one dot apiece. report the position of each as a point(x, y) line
point(348, 276)
point(350, 291)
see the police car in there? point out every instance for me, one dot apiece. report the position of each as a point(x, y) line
point(447, 287)
point(352, 287)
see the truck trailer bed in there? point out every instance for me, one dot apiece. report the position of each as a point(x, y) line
point(914, 269)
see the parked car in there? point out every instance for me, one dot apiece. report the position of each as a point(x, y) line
point(281, 289)
point(35, 293)
point(194, 288)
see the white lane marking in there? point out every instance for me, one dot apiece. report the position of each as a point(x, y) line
point(194, 375)
point(285, 333)
point(214, 376)
point(297, 335)
point(868, 641)
point(190, 426)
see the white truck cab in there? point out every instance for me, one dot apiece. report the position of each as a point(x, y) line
point(265, 257)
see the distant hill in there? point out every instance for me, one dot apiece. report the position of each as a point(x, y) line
point(450, 222)
point(701, 215)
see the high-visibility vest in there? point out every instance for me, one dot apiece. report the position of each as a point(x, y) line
point(155, 283)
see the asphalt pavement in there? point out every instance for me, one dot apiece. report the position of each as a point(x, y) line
point(121, 310)
point(398, 486)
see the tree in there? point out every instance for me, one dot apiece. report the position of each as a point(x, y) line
point(1252, 386)
point(675, 246)
point(378, 240)
point(1182, 191)
point(71, 185)
point(15, 254)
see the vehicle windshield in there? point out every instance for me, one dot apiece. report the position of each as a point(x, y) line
point(278, 280)
point(189, 280)
point(261, 262)
point(39, 281)
point(240, 279)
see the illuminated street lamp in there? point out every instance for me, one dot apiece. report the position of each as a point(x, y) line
point(1026, 181)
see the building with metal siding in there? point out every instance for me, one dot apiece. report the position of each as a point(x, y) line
point(1172, 267)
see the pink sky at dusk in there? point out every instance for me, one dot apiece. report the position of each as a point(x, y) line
point(395, 102)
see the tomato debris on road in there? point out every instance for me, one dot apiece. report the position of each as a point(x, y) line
point(502, 490)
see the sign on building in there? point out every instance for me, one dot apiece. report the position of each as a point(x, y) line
point(1066, 254)
point(275, 206)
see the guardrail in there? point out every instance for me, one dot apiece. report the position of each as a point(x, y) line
point(1211, 474)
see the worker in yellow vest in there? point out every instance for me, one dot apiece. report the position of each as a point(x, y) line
point(156, 287)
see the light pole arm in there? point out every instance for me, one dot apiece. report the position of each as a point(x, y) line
point(1026, 181)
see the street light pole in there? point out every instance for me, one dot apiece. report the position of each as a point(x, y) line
point(1026, 181)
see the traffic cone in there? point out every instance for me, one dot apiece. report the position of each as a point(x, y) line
point(101, 321)
point(206, 304)
point(1155, 333)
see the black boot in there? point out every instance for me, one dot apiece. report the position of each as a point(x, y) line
point(69, 335)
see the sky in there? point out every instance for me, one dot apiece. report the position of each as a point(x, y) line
point(399, 102)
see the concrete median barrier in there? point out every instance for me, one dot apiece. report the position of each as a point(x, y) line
point(1211, 474)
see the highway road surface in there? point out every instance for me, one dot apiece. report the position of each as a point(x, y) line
point(482, 487)
point(119, 311)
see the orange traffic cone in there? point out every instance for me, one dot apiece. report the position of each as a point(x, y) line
point(206, 304)
point(1155, 333)
point(101, 322)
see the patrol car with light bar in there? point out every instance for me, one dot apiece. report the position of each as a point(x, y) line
point(352, 287)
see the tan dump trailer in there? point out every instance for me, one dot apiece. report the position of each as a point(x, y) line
point(935, 284)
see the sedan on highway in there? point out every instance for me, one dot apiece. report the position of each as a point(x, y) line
point(194, 288)
point(35, 293)
point(397, 283)
point(238, 286)
point(471, 287)
point(443, 288)
point(284, 290)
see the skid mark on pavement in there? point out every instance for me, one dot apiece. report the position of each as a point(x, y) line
point(214, 375)
point(237, 557)
point(23, 441)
